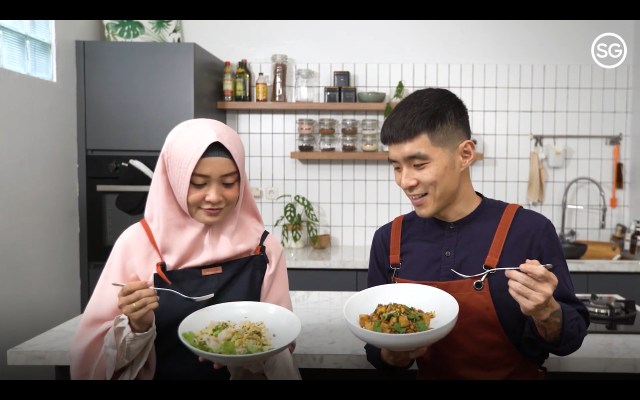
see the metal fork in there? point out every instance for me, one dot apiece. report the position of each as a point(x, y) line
point(196, 298)
point(492, 270)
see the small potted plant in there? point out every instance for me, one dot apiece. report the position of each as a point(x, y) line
point(292, 221)
point(398, 94)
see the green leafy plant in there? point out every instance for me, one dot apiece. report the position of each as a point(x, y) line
point(397, 96)
point(292, 219)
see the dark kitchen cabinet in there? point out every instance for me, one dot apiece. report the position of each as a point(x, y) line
point(322, 279)
point(130, 95)
point(329, 279)
point(580, 282)
point(625, 284)
point(348, 280)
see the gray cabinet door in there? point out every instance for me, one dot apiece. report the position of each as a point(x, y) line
point(135, 93)
point(580, 282)
point(626, 285)
point(322, 279)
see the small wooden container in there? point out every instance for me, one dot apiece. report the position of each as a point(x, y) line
point(323, 241)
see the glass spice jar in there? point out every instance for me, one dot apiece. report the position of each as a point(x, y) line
point(349, 143)
point(328, 142)
point(306, 142)
point(349, 126)
point(327, 126)
point(306, 126)
point(369, 126)
point(369, 142)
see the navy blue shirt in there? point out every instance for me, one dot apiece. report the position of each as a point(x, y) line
point(430, 248)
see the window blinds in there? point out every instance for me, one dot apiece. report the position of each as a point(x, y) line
point(26, 47)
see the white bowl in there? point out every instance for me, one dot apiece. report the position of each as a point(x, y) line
point(283, 326)
point(426, 298)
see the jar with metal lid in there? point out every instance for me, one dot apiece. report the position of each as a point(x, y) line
point(306, 126)
point(349, 143)
point(306, 142)
point(369, 142)
point(369, 126)
point(327, 126)
point(328, 142)
point(349, 126)
point(306, 85)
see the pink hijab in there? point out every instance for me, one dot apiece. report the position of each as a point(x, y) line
point(183, 241)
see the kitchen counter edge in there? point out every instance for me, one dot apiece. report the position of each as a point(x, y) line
point(357, 258)
point(326, 342)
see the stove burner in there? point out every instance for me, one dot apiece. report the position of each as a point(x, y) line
point(610, 310)
point(605, 305)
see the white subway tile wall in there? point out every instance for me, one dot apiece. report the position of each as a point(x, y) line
point(507, 104)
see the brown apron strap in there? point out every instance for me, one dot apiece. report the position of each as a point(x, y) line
point(501, 235)
point(394, 251)
point(160, 265)
point(396, 233)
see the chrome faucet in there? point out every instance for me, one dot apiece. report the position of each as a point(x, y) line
point(563, 236)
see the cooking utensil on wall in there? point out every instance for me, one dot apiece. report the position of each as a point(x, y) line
point(616, 155)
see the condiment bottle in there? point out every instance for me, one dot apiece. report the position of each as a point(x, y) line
point(633, 239)
point(279, 88)
point(240, 90)
point(247, 80)
point(227, 82)
point(261, 88)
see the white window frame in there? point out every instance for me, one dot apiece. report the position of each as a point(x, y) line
point(38, 44)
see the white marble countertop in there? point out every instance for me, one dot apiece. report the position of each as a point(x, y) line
point(357, 257)
point(326, 342)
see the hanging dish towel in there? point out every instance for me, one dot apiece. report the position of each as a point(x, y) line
point(537, 177)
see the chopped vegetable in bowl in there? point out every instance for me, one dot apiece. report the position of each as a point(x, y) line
point(396, 318)
point(227, 337)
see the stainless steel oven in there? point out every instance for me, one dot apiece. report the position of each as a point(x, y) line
point(116, 194)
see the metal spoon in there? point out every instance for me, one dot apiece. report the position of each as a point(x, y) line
point(196, 298)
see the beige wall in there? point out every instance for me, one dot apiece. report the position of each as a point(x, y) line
point(407, 41)
point(40, 284)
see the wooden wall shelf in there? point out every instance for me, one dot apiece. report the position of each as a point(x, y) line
point(276, 106)
point(356, 155)
point(330, 155)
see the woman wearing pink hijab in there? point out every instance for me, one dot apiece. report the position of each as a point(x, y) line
point(203, 234)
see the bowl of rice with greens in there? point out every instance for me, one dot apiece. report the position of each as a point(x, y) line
point(239, 332)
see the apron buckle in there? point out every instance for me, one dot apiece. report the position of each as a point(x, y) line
point(395, 268)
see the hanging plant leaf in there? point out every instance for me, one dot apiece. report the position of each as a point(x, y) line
point(126, 29)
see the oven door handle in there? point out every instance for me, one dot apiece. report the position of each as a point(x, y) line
point(122, 188)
